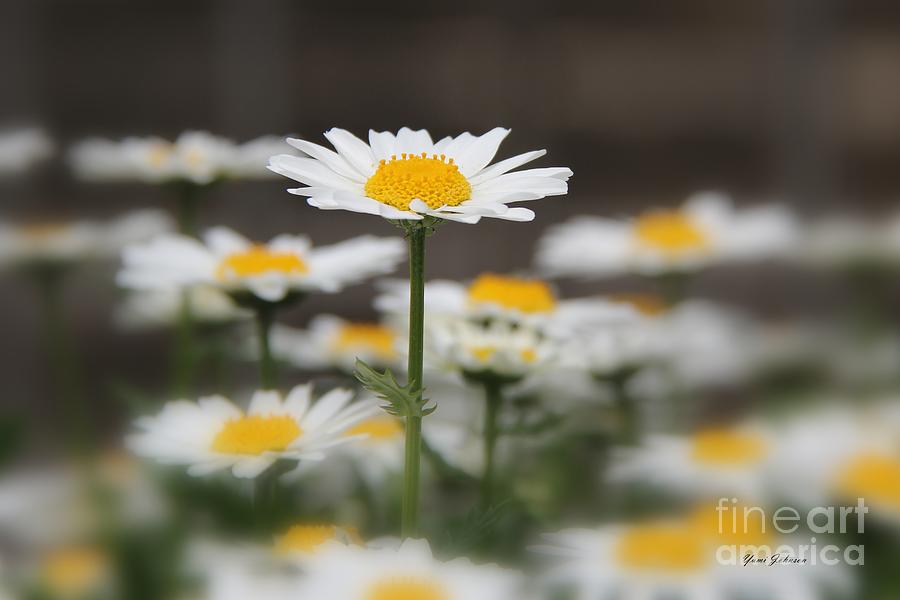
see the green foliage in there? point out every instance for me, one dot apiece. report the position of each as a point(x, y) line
point(402, 400)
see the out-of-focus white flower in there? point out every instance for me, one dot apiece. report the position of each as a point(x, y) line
point(839, 454)
point(332, 342)
point(233, 263)
point(677, 558)
point(77, 241)
point(234, 571)
point(847, 241)
point(707, 230)
point(407, 176)
point(21, 149)
point(340, 572)
point(195, 157)
point(701, 343)
point(723, 461)
point(214, 434)
point(41, 507)
point(162, 308)
point(479, 349)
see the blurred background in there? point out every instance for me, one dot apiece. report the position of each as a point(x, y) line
point(787, 101)
point(794, 100)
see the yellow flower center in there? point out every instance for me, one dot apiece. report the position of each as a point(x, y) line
point(434, 180)
point(671, 232)
point(256, 434)
point(513, 293)
point(43, 231)
point(194, 158)
point(304, 538)
point(259, 260)
point(726, 447)
point(875, 477)
point(732, 525)
point(528, 355)
point(159, 154)
point(483, 353)
point(662, 547)
point(366, 336)
point(646, 304)
point(74, 571)
point(378, 429)
point(406, 588)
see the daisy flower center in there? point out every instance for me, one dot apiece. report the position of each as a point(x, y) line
point(512, 293)
point(366, 336)
point(874, 477)
point(646, 304)
point(732, 525)
point(256, 434)
point(74, 571)
point(259, 260)
point(43, 231)
point(723, 447)
point(661, 547)
point(671, 232)
point(483, 353)
point(378, 429)
point(159, 154)
point(434, 180)
point(406, 588)
point(304, 538)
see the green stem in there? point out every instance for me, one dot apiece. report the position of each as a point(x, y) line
point(61, 351)
point(267, 509)
point(188, 195)
point(265, 317)
point(629, 425)
point(493, 398)
point(410, 501)
point(185, 352)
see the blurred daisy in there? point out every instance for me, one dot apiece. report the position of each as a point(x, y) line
point(845, 241)
point(340, 572)
point(21, 149)
point(62, 243)
point(705, 231)
point(76, 573)
point(287, 264)
point(330, 342)
point(407, 176)
point(489, 296)
point(713, 462)
point(163, 308)
point(673, 558)
point(306, 539)
point(495, 349)
point(215, 434)
point(196, 157)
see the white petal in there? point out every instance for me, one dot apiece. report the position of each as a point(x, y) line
point(248, 468)
point(383, 144)
point(481, 151)
point(331, 159)
point(265, 402)
point(356, 151)
point(414, 142)
point(326, 407)
point(224, 241)
point(310, 172)
point(503, 166)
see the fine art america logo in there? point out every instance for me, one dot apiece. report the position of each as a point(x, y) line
point(787, 536)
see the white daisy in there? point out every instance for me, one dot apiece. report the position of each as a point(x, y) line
point(408, 176)
point(478, 349)
point(76, 241)
point(196, 157)
point(163, 308)
point(705, 231)
point(21, 149)
point(844, 241)
point(675, 559)
point(271, 271)
point(340, 572)
point(333, 342)
point(215, 434)
point(712, 462)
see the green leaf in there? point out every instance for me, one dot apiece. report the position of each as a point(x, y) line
point(402, 400)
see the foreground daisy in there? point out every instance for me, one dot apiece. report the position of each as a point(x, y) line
point(705, 231)
point(408, 176)
point(340, 572)
point(214, 434)
point(333, 342)
point(195, 157)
